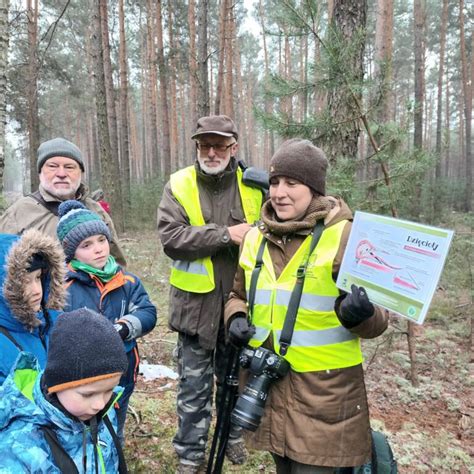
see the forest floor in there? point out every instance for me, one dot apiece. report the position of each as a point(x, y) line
point(430, 427)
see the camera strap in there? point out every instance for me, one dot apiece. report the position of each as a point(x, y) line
point(255, 273)
point(295, 298)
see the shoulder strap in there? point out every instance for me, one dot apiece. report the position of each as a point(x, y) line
point(294, 303)
point(62, 459)
point(7, 334)
point(255, 273)
point(52, 206)
point(118, 446)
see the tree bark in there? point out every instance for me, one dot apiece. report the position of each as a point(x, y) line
point(221, 57)
point(439, 105)
point(193, 65)
point(109, 82)
point(124, 120)
point(4, 40)
point(32, 92)
point(110, 173)
point(348, 21)
point(165, 121)
point(467, 93)
point(203, 106)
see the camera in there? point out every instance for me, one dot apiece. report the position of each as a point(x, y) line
point(265, 367)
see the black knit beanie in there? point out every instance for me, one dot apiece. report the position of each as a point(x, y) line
point(84, 347)
point(300, 159)
point(59, 147)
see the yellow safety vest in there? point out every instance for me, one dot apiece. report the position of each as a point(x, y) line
point(197, 276)
point(319, 340)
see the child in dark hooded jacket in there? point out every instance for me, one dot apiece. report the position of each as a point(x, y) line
point(32, 273)
point(96, 282)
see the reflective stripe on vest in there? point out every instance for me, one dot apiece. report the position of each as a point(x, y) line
point(319, 341)
point(197, 276)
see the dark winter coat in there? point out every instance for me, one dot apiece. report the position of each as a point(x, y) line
point(318, 418)
point(29, 329)
point(201, 313)
point(123, 297)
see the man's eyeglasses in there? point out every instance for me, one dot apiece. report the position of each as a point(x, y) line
point(205, 147)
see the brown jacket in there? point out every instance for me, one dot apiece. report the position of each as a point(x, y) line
point(317, 418)
point(195, 313)
point(28, 213)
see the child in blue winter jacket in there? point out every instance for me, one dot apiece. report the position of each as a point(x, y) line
point(31, 295)
point(62, 419)
point(95, 281)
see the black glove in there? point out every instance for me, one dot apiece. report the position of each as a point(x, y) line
point(355, 307)
point(122, 329)
point(240, 332)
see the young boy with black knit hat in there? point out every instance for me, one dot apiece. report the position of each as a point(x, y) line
point(62, 419)
point(95, 281)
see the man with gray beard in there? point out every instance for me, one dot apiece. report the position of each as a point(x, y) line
point(203, 216)
point(61, 168)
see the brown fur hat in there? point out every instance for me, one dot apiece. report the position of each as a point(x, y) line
point(17, 264)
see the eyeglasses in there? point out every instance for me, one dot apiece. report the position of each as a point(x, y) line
point(206, 147)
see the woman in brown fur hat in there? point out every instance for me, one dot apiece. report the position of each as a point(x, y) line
point(32, 271)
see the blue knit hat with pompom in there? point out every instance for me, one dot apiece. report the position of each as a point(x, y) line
point(77, 223)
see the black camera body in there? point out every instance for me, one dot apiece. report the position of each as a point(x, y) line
point(265, 367)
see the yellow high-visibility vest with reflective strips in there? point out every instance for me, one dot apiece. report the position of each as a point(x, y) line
point(197, 276)
point(319, 340)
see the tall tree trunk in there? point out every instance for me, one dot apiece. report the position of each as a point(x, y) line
point(4, 39)
point(124, 128)
point(467, 93)
point(222, 54)
point(242, 122)
point(268, 105)
point(109, 82)
point(447, 122)
point(110, 173)
point(32, 92)
point(229, 60)
point(165, 121)
point(193, 67)
point(173, 109)
point(348, 22)
point(203, 106)
point(152, 104)
point(439, 105)
point(419, 22)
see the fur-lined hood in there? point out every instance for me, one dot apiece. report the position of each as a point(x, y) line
point(15, 256)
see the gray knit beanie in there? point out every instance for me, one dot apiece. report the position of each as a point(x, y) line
point(77, 223)
point(83, 347)
point(59, 147)
point(300, 159)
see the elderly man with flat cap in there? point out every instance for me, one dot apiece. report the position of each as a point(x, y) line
point(60, 168)
point(205, 211)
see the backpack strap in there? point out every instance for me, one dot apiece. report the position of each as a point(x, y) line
point(61, 458)
point(118, 446)
point(7, 334)
point(51, 206)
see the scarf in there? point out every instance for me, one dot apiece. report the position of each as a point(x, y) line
point(318, 208)
point(103, 274)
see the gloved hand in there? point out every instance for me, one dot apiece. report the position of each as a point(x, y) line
point(355, 307)
point(122, 329)
point(240, 331)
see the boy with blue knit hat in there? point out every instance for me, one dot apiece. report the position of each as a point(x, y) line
point(97, 282)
